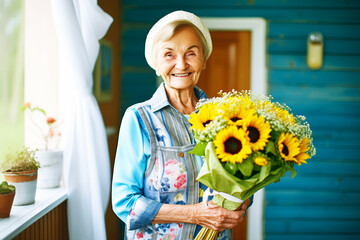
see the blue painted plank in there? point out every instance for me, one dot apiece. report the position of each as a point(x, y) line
point(134, 77)
point(244, 3)
point(134, 58)
point(337, 154)
point(309, 93)
point(314, 78)
point(313, 226)
point(334, 169)
point(311, 197)
point(310, 236)
point(330, 62)
point(325, 211)
point(330, 143)
point(318, 183)
point(326, 15)
point(346, 109)
point(344, 47)
point(301, 30)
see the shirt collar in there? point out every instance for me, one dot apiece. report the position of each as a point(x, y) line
point(159, 100)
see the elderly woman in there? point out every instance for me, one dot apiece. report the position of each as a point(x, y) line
point(154, 189)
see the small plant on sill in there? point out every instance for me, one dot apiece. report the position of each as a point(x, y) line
point(48, 128)
point(5, 188)
point(19, 161)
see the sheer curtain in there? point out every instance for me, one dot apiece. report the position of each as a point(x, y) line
point(79, 26)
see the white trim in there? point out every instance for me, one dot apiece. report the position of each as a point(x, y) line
point(258, 83)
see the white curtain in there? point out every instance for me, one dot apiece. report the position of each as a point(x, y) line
point(79, 25)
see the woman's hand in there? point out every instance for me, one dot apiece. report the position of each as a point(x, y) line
point(244, 205)
point(217, 218)
point(211, 216)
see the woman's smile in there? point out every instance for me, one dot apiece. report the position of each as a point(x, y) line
point(181, 74)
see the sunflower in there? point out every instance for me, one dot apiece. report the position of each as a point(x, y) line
point(258, 131)
point(232, 145)
point(304, 147)
point(261, 161)
point(289, 146)
point(237, 115)
point(204, 117)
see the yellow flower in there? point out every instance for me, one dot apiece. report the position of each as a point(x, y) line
point(283, 114)
point(206, 115)
point(303, 156)
point(258, 131)
point(261, 161)
point(232, 145)
point(237, 115)
point(288, 146)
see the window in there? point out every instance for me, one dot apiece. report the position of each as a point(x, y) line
point(11, 74)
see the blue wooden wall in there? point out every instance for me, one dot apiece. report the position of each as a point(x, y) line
point(323, 200)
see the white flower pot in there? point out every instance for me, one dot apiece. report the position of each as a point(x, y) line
point(25, 184)
point(51, 162)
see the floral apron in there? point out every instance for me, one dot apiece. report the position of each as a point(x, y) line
point(171, 172)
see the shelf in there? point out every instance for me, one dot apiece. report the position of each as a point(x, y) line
point(21, 217)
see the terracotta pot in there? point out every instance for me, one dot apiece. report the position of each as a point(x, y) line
point(6, 201)
point(51, 162)
point(25, 184)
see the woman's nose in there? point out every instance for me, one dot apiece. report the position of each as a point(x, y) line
point(181, 63)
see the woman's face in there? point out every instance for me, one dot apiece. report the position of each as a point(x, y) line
point(180, 60)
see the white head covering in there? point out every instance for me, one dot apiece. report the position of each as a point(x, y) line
point(171, 17)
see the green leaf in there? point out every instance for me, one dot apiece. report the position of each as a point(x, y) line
point(270, 148)
point(246, 167)
point(231, 168)
point(264, 171)
point(40, 110)
point(289, 168)
point(199, 149)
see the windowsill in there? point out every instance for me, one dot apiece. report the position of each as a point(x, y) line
point(21, 217)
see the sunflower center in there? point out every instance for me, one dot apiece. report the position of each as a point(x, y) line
point(235, 119)
point(285, 150)
point(254, 134)
point(232, 145)
point(206, 123)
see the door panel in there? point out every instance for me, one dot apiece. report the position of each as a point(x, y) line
point(228, 68)
point(229, 64)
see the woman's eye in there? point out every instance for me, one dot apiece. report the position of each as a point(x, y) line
point(168, 55)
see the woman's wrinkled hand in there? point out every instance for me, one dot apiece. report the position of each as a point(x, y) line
point(218, 218)
point(244, 205)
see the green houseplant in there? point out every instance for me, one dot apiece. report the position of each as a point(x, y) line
point(7, 193)
point(20, 169)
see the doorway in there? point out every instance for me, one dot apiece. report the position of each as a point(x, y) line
point(238, 62)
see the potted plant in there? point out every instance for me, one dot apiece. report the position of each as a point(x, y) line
point(49, 156)
point(20, 169)
point(7, 193)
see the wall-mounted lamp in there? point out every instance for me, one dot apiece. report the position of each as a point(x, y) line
point(315, 43)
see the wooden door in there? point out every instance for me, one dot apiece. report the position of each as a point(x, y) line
point(228, 68)
point(229, 64)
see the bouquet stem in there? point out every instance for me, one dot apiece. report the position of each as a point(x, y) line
point(207, 234)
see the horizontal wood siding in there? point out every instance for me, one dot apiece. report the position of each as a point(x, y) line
point(322, 201)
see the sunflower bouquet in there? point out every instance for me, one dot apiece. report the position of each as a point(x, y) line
point(247, 142)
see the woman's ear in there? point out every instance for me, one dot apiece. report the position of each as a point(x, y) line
point(204, 65)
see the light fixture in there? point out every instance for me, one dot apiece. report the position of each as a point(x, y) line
point(315, 43)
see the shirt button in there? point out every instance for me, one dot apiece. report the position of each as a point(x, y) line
point(181, 154)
